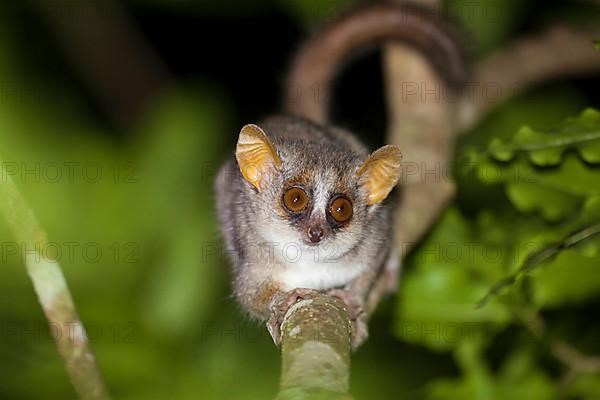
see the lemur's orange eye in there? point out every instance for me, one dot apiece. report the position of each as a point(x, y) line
point(341, 210)
point(295, 199)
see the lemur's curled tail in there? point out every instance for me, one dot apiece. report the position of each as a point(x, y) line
point(319, 59)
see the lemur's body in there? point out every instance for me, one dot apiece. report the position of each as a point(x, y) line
point(304, 207)
point(271, 254)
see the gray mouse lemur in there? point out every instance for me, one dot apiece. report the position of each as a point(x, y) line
point(303, 205)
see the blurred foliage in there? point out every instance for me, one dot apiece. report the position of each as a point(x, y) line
point(156, 299)
point(306, 12)
point(538, 251)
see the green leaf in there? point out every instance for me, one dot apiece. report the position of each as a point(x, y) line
point(554, 205)
point(485, 19)
point(537, 175)
point(585, 386)
point(518, 378)
point(521, 378)
point(570, 275)
point(449, 274)
point(546, 148)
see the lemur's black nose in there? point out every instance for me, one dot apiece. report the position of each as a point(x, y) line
point(315, 234)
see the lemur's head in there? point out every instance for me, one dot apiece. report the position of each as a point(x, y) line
point(302, 195)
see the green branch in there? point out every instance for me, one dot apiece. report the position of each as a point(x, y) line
point(315, 350)
point(53, 294)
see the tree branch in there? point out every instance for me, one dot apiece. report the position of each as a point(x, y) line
point(423, 128)
point(53, 294)
point(315, 349)
point(557, 52)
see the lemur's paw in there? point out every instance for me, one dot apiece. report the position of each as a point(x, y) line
point(280, 305)
point(356, 312)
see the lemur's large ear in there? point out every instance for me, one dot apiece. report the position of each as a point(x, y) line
point(255, 155)
point(380, 173)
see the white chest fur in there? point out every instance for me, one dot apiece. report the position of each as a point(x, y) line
point(316, 269)
point(301, 266)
